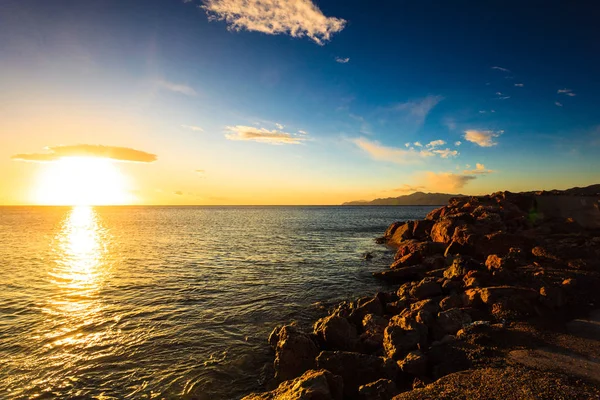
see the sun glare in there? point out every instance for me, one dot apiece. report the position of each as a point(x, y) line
point(82, 181)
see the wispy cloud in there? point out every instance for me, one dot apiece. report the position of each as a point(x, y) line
point(479, 170)
point(407, 189)
point(502, 96)
point(200, 172)
point(567, 92)
point(177, 87)
point(457, 143)
point(55, 153)
point(297, 18)
point(178, 193)
point(303, 132)
point(501, 69)
point(262, 135)
point(435, 143)
point(279, 126)
point(519, 84)
point(192, 128)
point(399, 155)
point(482, 138)
point(342, 60)
point(419, 109)
point(558, 104)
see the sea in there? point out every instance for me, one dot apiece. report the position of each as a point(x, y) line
point(171, 302)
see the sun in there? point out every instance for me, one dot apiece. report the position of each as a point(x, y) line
point(82, 181)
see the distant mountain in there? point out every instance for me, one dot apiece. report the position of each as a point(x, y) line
point(415, 199)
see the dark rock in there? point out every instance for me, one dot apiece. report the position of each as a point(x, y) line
point(407, 260)
point(372, 336)
point(295, 353)
point(382, 389)
point(452, 301)
point(427, 288)
point(402, 274)
point(429, 305)
point(476, 279)
point(452, 320)
point(552, 297)
point(397, 342)
point(368, 255)
point(415, 363)
point(357, 369)
point(336, 332)
point(312, 385)
point(422, 229)
point(452, 286)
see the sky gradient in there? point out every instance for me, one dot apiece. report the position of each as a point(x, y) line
point(275, 102)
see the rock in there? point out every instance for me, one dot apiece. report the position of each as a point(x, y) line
point(294, 354)
point(365, 306)
point(495, 263)
point(397, 342)
point(426, 249)
point(421, 229)
point(357, 369)
point(452, 286)
point(336, 332)
point(458, 269)
point(428, 305)
point(427, 288)
point(402, 274)
point(382, 389)
point(476, 279)
point(415, 363)
point(312, 385)
point(455, 248)
point(401, 234)
point(452, 320)
point(395, 307)
point(491, 295)
point(446, 358)
point(368, 255)
point(552, 297)
point(443, 230)
point(452, 301)
point(500, 243)
point(392, 228)
point(373, 327)
point(407, 260)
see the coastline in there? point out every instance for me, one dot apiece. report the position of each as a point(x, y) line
point(491, 292)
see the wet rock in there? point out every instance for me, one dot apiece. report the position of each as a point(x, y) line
point(415, 363)
point(336, 332)
point(452, 320)
point(382, 389)
point(295, 353)
point(312, 385)
point(357, 369)
point(367, 255)
point(427, 288)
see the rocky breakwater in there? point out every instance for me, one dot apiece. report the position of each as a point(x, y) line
point(476, 279)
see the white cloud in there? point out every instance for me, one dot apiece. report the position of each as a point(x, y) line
point(418, 144)
point(407, 144)
point(303, 132)
point(261, 135)
point(400, 155)
point(566, 91)
point(177, 87)
point(519, 84)
point(419, 108)
point(501, 69)
point(279, 126)
point(446, 153)
point(342, 60)
point(556, 103)
point(482, 138)
point(457, 143)
point(193, 128)
point(503, 97)
point(479, 170)
point(435, 143)
point(296, 18)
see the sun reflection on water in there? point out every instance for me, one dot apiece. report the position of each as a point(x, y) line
point(80, 269)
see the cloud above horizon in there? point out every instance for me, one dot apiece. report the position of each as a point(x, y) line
point(479, 170)
point(55, 153)
point(176, 87)
point(482, 138)
point(399, 155)
point(193, 128)
point(297, 18)
point(263, 135)
point(419, 109)
point(446, 181)
point(407, 189)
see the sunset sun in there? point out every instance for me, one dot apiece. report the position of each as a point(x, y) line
point(82, 181)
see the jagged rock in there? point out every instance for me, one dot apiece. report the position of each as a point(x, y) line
point(452, 320)
point(452, 301)
point(495, 263)
point(312, 385)
point(382, 389)
point(500, 243)
point(402, 274)
point(407, 260)
point(425, 249)
point(427, 288)
point(429, 305)
point(443, 230)
point(415, 363)
point(395, 307)
point(397, 342)
point(422, 229)
point(357, 369)
point(336, 332)
point(373, 327)
point(452, 286)
point(476, 279)
point(392, 228)
point(295, 353)
point(402, 233)
point(552, 297)
point(490, 295)
point(457, 270)
point(366, 306)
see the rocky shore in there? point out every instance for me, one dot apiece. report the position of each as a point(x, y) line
point(495, 299)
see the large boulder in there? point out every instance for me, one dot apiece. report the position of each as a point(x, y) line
point(336, 332)
point(443, 230)
point(452, 320)
point(427, 288)
point(397, 341)
point(402, 233)
point(312, 385)
point(382, 389)
point(415, 363)
point(295, 352)
point(372, 332)
point(402, 274)
point(357, 369)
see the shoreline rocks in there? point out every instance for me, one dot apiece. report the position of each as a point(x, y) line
point(468, 274)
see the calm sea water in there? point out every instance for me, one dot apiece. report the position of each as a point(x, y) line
point(170, 302)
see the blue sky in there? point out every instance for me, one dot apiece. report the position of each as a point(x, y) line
point(324, 103)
